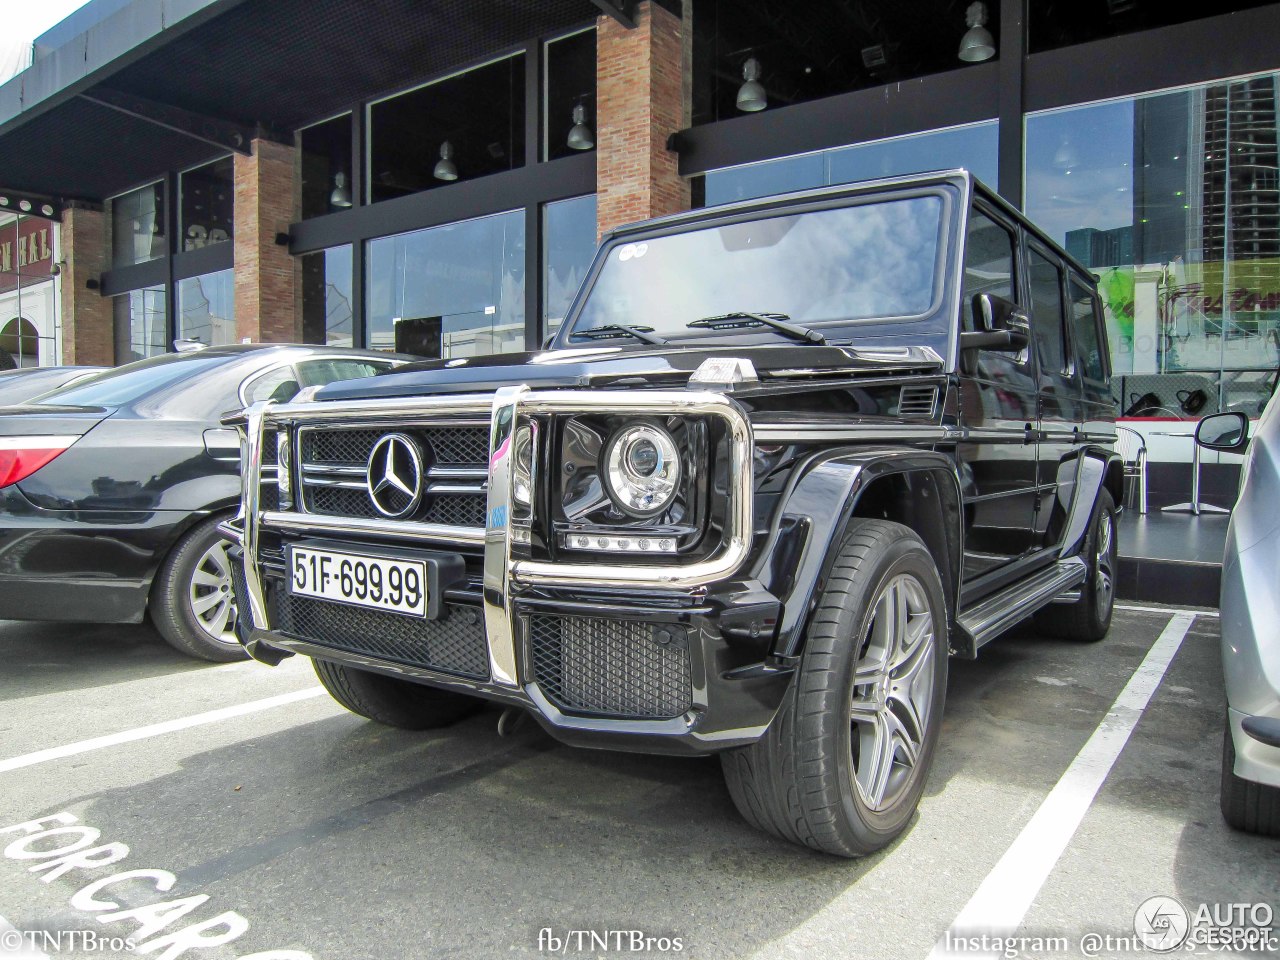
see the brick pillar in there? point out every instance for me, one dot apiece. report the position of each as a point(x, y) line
point(266, 276)
point(87, 327)
point(642, 97)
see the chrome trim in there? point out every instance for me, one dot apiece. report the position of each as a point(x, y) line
point(250, 511)
point(476, 489)
point(499, 616)
point(992, 616)
point(315, 481)
point(336, 469)
point(389, 529)
point(458, 473)
point(920, 433)
point(391, 411)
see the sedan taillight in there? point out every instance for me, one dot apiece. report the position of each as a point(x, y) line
point(20, 457)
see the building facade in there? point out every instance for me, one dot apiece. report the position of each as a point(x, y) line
point(432, 176)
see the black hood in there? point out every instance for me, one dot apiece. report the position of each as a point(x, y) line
point(600, 366)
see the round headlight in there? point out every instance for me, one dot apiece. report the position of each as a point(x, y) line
point(642, 469)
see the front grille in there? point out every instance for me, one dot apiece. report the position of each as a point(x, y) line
point(452, 644)
point(334, 461)
point(611, 667)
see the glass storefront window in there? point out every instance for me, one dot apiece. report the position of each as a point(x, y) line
point(1053, 25)
point(141, 327)
point(207, 204)
point(326, 297)
point(461, 127)
point(1171, 199)
point(569, 243)
point(450, 291)
point(570, 91)
point(206, 308)
point(137, 226)
point(973, 146)
point(325, 160)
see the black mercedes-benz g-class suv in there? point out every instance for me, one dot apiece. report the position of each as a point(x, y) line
point(781, 459)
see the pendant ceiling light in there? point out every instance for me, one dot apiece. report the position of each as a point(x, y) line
point(751, 95)
point(977, 44)
point(340, 198)
point(445, 168)
point(580, 136)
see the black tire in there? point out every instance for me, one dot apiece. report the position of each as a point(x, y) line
point(396, 703)
point(1248, 806)
point(1088, 619)
point(175, 593)
point(798, 781)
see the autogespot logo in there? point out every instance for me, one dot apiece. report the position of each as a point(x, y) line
point(1161, 924)
point(395, 476)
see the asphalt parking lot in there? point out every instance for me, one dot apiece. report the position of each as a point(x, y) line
point(254, 806)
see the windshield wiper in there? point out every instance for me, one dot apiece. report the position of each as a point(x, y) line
point(610, 330)
point(778, 321)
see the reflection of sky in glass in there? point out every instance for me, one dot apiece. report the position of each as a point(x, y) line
point(974, 147)
point(1079, 168)
point(872, 260)
point(570, 244)
point(206, 310)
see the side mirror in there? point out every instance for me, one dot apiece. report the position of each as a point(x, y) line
point(1002, 326)
point(1224, 432)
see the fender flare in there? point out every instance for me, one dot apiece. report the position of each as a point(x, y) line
point(816, 509)
point(1093, 466)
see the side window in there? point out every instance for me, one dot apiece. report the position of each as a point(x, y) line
point(988, 264)
point(279, 384)
point(1045, 277)
point(1084, 327)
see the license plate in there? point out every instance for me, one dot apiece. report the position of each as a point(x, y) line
point(379, 583)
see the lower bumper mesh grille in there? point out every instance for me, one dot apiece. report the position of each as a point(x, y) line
point(452, 644)
point(611, 667)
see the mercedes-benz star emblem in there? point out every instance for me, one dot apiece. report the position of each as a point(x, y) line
point(395, 476)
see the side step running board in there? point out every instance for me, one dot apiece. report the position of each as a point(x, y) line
point(996, 614)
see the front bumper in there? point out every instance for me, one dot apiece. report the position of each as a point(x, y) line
point(513, 597)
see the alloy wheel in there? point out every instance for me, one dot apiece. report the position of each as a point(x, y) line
point(1104, 563)
point(892, 692)
point(211, 599)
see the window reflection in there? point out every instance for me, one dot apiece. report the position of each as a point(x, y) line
point(973, 146)
point(206, 308)
point(326, 297)
point(137, 226)
point(464, 126)
point(1172, 200)
point(451, 291)
point(570, 244)
point(207, 209)
point(140, 324)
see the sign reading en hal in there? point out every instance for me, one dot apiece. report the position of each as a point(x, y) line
point(26, 253)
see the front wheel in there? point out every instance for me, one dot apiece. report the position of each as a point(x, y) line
point(844, 763)
point(396, 703)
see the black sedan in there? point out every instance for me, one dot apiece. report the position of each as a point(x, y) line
point(111, 488)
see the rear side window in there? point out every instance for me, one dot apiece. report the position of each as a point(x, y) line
point(1084, 328)
point(1046, 312)
point(317, 373)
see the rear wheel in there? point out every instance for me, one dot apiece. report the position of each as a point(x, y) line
point(1089, 618)
point(1248, 806)
point(191, 602)
point(397, 703)
point(842, 766)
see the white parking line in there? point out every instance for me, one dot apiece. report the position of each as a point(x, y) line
point(14, 946)
point(156, 729)
point(1167, 611)
point(1002, 900)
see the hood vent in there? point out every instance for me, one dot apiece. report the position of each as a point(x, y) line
point(917, 401)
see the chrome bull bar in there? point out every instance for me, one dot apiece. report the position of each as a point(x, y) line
point(507, 409)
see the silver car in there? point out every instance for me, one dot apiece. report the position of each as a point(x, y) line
point(1250, 608)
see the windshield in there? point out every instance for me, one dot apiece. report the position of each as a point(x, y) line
point(132, 381)
point(876, 260)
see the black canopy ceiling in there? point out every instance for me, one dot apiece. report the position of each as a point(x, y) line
point(274, 64)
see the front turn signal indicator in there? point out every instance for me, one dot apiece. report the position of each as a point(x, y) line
point(20, 457)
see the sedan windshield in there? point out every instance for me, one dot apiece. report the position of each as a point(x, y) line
point(133, 381)
point(871, 261)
